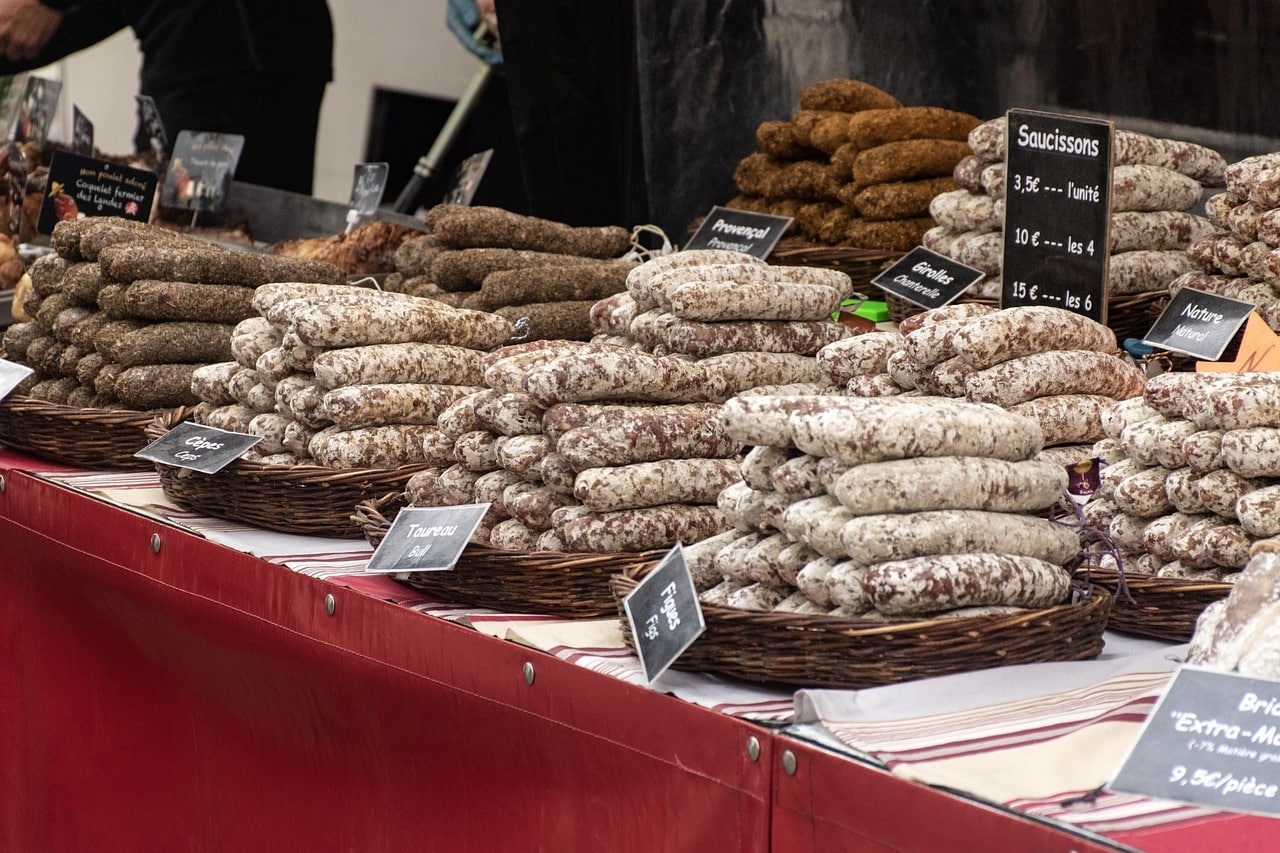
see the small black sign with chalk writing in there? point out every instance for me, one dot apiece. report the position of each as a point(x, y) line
point(427, 539)
point(925, 278)
point(1214, 739)
point(1198, 324)
point(664, 614)
point(81, 132)
point(198, 447)
point(11, 376)
point(739, 231)
point(199, 176)
point(85, 186)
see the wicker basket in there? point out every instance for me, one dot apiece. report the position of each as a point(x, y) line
point(1164, 608)
point(305, 499)
point(828, 651)
point(861, 265)
point(575, 586)
point(71, 435)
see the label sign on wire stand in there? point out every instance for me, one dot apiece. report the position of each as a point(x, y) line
point(1198, 324)
point(426, 539)
point(1214, 740)
point(664, 614)
point(11, 376)
point(925, 278)
point(739, 231)
point(1057, 220)
point(197, 447)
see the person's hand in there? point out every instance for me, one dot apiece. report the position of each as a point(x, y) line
point(488, 14)
point(25, 27)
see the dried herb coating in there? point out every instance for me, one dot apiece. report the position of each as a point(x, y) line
point(209, 264)
point(178, 300)
point(17, 338)
point(466, 269)
point(553, 320)
point(551, 284)
point(83, 281)
point(177, 342)
point(46, 274)
point(156, 386)
point(414, 256)
point(463, 227)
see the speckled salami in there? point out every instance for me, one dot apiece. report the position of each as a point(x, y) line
point(1259, 511)
point(932, 343)
point(337, 323)
point(641, 529)
point(1099, 512)
point(1219, 546)
point(1145, 271)
point(950, 482)
point(1182, 487)
point(1160, 533)
point(874, 385)
point(1221, 489)
point(1157, 442)
point(1199, 162)
point(764, 420)
point(270, 426)
point(477, 451)
point(1218, 208)
point(760, 300)
point(741, 372)
point(660, 287)
point(1066, 418)
point(899, 428)
point(490, 487)
point(401, 362)
point(758, 464)
point(817, 523)
point(962, 210)
point(506, 366)
point(638, 279)
point(252, 337)
point(1253, 452)
point(905, 371)
point(1058, 372)
point(618, 374)
point(1014, 332)
point(1145, 187)
point(691, 337)
point(1128, 530)
point(628, 436)
point(1203, 451)
point(533, 505)
point(1143, 493)
point(873, 539)
point(513, 535)
point(233, 417)
point(798, 478)
point(663, 481)
point(556, 472)
point(209, 382)
point(746, 508)
point(954, 311)
point(460, 416)
point(927, 584)
point(613, 314)
point(523, 454)
point(1236, 401)
point(354, 406)
point(1156, 229)
point(968, 173)
point(860, 355)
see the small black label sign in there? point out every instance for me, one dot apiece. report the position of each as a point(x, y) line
point(427, 539)
point(11, 376)
point(466, 180)
point(1057, 217)
point(81, 133)
point(664, 614)
point(1198, 324)
point(367, 187)
point(1214, 739)
point(925, 278)
point(739, 231)
point(197, 447)
point(200, 172)
point(35, 113)
point(149, 115)
point(84, 186)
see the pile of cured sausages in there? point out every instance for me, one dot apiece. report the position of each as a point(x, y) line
point(124, 313)
point(544, 274)
point(1155, 184)
point(854, 167)
point(1241, 260)
point(1194, 476)
point(890, 507)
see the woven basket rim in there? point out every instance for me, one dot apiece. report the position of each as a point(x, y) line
point(1149, 583)
point(20, 403)
point(852, 626)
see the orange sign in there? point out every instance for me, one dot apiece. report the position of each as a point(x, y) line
point(1259, 351)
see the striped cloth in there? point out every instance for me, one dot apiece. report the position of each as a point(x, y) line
point(1041, 739)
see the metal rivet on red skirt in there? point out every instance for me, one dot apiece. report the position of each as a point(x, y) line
point(789, 762)
point(155, 543)
point(753, 748)
point(330, 604)
point(528, 673)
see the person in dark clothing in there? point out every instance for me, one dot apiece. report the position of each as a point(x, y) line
point(575, 102)
point(258, 69)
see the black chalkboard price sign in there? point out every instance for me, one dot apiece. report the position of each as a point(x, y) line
point(1057, 212)
point(739, 231)
point(198, 448)
point(427, 539)
point(664, 614)
point(925, 278)
point(1198, 324)
point(1214, 740)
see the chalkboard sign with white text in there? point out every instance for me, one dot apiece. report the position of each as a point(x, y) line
point(1214, 740)
point(739, 231)
point(198, 447)
point(925, 278)
point(1057, 220)
point(664, 614)
point(1198, 324)
point(427, 539)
